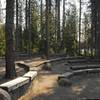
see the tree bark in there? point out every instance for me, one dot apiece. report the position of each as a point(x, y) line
point(93, 26)
point(98, 28)
point(58, 24)
point(47, 32)
point(80, 29)
point(9, 27)
point(63, 24)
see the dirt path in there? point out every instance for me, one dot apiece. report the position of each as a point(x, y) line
point(45, 87)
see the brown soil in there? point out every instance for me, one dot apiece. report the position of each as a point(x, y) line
point(45, 86)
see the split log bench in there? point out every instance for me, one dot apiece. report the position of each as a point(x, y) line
point(19, 86)
point(86, 71)
point(47, 63)
point(65, 75)
point(31, 75)
point(14, 84)
point(57, 59)
point(69, 75)
point(77, 61)
point(84, 67)
point(79, 72)
point(23, 65)
point(72, 61)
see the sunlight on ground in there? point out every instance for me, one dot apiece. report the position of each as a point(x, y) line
point(45, 86)
point(78, 89)
point(42, 86)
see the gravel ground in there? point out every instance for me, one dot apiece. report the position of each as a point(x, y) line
point(45, 87)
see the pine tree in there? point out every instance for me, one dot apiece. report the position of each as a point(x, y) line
point(10, 66)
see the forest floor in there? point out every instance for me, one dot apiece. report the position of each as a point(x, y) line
point(20, 71)
point(45, 86)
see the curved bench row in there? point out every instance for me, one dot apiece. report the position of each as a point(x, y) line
point(17, 87)
point(84, 67)
point(69, 75)
point(23, 65)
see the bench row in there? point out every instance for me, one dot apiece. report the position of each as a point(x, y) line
point(78, 72)
point(18, 82)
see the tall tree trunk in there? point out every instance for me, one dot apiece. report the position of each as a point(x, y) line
point(58, 24)
point(20, 27)
point(9, 27)
point(47, 32)
point(26, 14)
point(59, 21)
point(26, 25)
point(41, 18)
point(93, 26)
point(98, 28)
point(80, 29)
point(29, 26)
point(63, 24)
point(96, 22)
point(16, 33)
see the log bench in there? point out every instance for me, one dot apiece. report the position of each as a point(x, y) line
point(77, 61)
point(69, 75)
point(18, 82)
point(14, 84)
point(47, 63)
point(31, 75)
point(72, 61)
point(57, 59)
point(23, 65)
point(19, 86)
point(86, 71)
point(84, 67)
point(65, 75)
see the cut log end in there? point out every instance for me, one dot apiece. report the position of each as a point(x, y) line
point(4, 95)
point(47, 67)
point(64, 82)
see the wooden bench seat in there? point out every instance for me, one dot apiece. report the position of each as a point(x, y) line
point(31, 75)
point(77, 61)
point(14, 84)
point(84, 67)
point(52, 60)
point(79, 72)
point(89, 71)
point(65, 75)
point(23, 65)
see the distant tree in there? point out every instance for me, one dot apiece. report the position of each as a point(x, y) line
point(46, 28)
point(18, 31)
point(87, 34)
point(57, 10)
point(63, 24)
point(70, 33)
point(80, 11)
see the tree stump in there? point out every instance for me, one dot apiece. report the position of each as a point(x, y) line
point(64, 82)
point(4, 95)
point(47, 67)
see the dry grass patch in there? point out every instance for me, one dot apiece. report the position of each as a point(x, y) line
point(43, 85)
